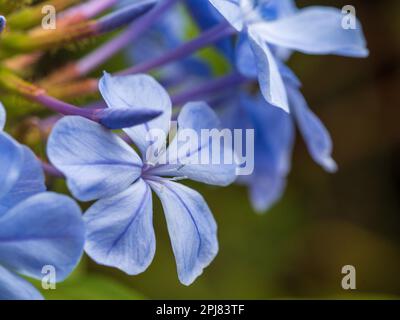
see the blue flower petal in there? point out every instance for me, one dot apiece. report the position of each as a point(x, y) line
point(138, 92)
point(45, 229)
point(191, 226)
point(196, 162)
point(2, 116)
point(315, 135)
point(206, 16)
point(96, 162)
point(271, 84)
point(273, 149)
point(245, 58)
point(231, 11)
point(13, 287)
point(11, 160)
point(125, 117)
point(2, 23)
point(29, 183)
point(289, 77)
point(314, 30)
point(120, 230)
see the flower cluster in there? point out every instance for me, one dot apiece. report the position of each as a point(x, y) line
point(108, 151)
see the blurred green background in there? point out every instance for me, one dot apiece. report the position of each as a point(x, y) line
point(324, 221)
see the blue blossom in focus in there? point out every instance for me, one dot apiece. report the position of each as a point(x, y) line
point(100, 166)
point(37, 228)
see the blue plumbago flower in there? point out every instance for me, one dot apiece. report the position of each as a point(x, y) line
point(37, 228)
point(168, 33)
point(275, 26)
point(273, 143)
point(99, 165)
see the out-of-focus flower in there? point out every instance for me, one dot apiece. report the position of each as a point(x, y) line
point(101, 166)
point(2, 23)
point(274, 137)
point(168, 33)
point(37, 228)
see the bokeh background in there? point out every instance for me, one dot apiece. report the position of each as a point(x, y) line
point(324, 221)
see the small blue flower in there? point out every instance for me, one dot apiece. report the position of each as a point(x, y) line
point(100, 166)
point(274, 138)
point(275, 27)
point(37, 228)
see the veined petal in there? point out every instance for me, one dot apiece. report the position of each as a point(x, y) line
point(45, 229)
point(120, 230)
point(231, 11)
point(316, 136)
point(196, 159)
point(96, 162)
point(191, 226)
point(269, 77)
point(29, 183)
point(138, 92)
point(11, 161)
point(314, 30)
point(2, 116)
point(13, 287)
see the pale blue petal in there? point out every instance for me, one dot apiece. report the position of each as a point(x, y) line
point(29, 183)
point(96, 162)
point(231, 11)
point(11, 161)
point(314, 30)
point(265, 190)
point(45, 229)
point(269, 77)
point(2, 116)
point(138, 92)
point(13, 287)
point(196, 162)
point(125, 117)
point(288, 76)
point(120, 230)
point(191, 226)
point(274, 139)
point(316, 136)
point(245, 58)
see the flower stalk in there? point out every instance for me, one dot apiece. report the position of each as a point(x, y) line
point(94, 59)
point(110, 118)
